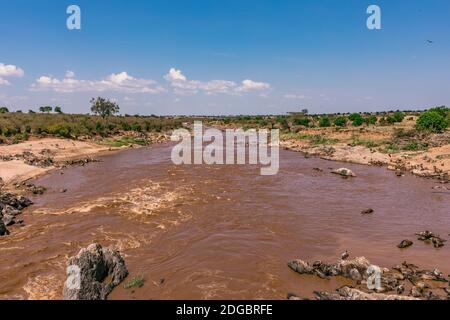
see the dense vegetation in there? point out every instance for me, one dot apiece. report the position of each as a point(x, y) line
point(19, 126)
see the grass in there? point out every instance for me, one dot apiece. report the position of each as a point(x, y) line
point(315, 139)
point(136, 282)
point(365, 142)
point(124, 141)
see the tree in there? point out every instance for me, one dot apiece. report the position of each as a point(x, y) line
point(46, 109)
point(340, 121)
point(432, 120)
point(4, 110)
point(58, 109)
point(104, 107)
point(356, 119)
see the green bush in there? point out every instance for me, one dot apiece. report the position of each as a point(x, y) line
point(340, 121)
point(433, 121)
point(356, 119)
point(302, 122)
point(324, 122)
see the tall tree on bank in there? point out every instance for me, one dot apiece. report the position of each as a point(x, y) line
point(104, 107)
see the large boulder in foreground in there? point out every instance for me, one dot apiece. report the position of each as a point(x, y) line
point(88, 270)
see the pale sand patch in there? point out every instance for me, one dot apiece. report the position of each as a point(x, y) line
point(60, 149)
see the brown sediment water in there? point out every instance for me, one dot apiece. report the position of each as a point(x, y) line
point(219, 232)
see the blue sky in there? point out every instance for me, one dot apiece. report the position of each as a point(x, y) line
point(225, 57)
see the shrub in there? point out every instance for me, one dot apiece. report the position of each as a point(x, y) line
point(324, 122)
point(398, 116)
point(356, 119)
point(371, 120)
point(58, 130)
point(340, 121)
point(433, 121)
point(302, 122)
point(4, 110)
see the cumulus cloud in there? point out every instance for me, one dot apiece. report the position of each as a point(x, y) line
point(119, 82)
point(183, 86)
point(249, 85)
point(9, 70)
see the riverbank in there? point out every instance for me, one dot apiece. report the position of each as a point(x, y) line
point(37, 156)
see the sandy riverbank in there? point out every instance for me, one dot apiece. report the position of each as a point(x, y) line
point(434, 162)
point(60, 150)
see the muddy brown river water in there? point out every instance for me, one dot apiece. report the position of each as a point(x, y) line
point(219, 232)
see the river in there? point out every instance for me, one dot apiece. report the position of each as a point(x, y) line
point(219, 232)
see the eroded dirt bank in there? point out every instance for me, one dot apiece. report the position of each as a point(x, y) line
point(198, 232)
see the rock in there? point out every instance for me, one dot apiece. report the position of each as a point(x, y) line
point(95, 265)
point(437, 241)
point(405, 244)
point(353, 269)
point(355, 275)
point(345, 255)
point(293, 296)
point(9, 211)
point(344, 172)
point(300, 266)
point(10, 208)
point(416, 292)
point(368, 211)
point(348, 293)
point(9, 220)
point(3, 230)
point(63, 190)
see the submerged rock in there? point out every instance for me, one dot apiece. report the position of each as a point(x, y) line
point(344, 172)
point(405, 244)
point(95, 264)
point(428, 236)
point(368, 211)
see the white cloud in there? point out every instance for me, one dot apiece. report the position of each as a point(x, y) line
point(70, 74)
point(119, 82)
point(183, 86)
point(9, 70)
point(296, 96)
point(174, 75)
point(249, 85)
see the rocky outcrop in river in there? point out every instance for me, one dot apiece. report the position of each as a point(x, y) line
point(11, 207)
point(88, 270)
point(402, 282)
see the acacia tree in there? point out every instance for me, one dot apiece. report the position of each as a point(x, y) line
point(58, 109)
point(46, 109)
point(104, 107)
